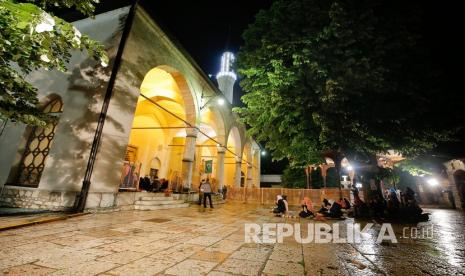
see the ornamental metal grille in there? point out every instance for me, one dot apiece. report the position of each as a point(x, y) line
point(38, 147)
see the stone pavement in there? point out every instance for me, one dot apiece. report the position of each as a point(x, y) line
point(194, 241)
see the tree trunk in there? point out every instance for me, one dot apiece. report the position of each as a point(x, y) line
point(310, 180)
point(337, 164)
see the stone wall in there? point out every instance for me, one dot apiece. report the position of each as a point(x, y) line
point(31, 198)
point(22, 197)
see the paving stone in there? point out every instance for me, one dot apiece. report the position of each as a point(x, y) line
point(27, 269)
point(240, 267)
point(154, 246)
point(57, 259)
point(287, 253)
point(204, 240)
point(217, 257)
point(123, 257)
point(73, 240)
point(251, 253)
point(191, 267)
point(178, 252)
point(144, 266)
point(90, 244)
point(282, 268)
point(87, 268)
point(225, 246)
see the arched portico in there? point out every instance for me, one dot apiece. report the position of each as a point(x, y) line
point(233, 158)
point(210, 147)
point(247, 164)
point(163, 128)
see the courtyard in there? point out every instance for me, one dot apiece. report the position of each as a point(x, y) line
point(197, 241)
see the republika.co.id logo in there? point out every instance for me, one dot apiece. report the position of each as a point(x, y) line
point(329, 233)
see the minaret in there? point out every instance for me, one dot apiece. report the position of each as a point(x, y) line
point(226, 77)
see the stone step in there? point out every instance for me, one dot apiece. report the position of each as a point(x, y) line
point(158, 202)
point(160, 207)
point(153, 198)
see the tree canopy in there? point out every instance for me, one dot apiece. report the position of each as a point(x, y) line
point(32, 38)
point(347, 76)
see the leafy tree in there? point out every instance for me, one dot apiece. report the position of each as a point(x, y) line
point(294, 177)
point(32, 38)
point(342, 76)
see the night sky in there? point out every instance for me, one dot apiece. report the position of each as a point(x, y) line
point(206, 28)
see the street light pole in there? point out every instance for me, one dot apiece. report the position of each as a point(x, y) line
point(81, 199)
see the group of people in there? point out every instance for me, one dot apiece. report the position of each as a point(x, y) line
point(328, 209)
point(153, 186)
point(391, 204)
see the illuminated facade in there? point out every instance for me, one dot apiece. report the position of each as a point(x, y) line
point(159, 124)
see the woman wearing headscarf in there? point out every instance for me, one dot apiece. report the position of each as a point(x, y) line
point(307, 208)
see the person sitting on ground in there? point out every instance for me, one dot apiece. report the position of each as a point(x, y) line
point(409, 195)
point(360, 208)
point(335, 211)
point(307, 208)
point(325, 207)
point(282, 207)
point(148, 184)
point(278, 197)
point(347, 204)
point(164, 185)
point(156, 185)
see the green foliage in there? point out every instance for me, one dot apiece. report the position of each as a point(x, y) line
point(332, 178)
point(392, 176)
point(415, 167)
point(342, 76)
point(294, 177)
point(31, 39)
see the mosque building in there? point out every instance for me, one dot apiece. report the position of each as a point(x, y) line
point(151, 112)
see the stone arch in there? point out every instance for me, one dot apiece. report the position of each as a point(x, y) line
point(165, 112)
point(235, 140)
point(185, 93)
point(233, 157)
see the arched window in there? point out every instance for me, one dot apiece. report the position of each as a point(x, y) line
point(38, 146)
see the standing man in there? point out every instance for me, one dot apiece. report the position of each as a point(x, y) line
point(206, 189)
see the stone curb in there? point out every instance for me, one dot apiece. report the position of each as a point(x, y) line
point(40, 221)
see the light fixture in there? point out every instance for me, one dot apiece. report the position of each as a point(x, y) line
point(433, 182)
point(219, 100)
point(263, 152)
point(350, 168)
point(358, 185)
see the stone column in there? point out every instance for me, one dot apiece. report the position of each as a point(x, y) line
point(220, 168)
point(188, 157)
point(237, 173)
point(249, 179)
point(258, 168)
